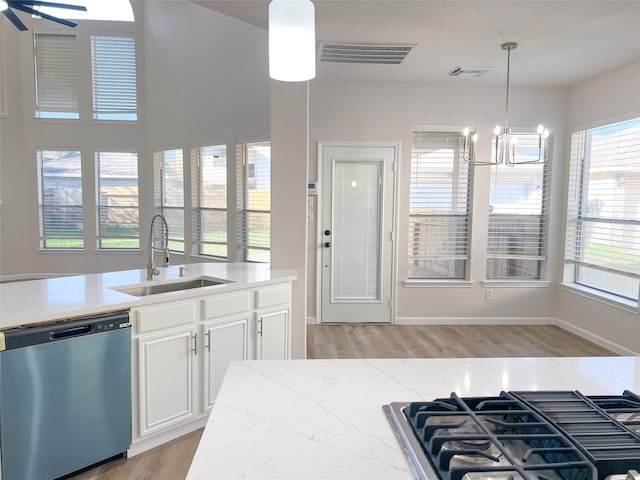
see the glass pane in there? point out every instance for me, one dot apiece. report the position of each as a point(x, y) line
point(214, 233)
point(355, 235)
point(173, 191)
point(608, 281)
point(175, 220)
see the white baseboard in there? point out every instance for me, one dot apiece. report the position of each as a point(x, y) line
point(597, 339)
point(475, 321)
point(312, 321)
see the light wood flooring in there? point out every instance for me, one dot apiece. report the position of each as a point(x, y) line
point(171, 461)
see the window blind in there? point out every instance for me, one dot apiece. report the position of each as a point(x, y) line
point(256, 208)
point(56, 73)
point(60, 199)
point(117, 200)
point(169, 194)
point(209, 192)
point(114, 78)
point(519, 213)
point(438, 207)
point(603, 228)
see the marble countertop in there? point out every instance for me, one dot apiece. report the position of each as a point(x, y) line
point(323, 419)
point(41, 301)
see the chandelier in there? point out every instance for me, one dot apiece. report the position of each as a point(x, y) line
point(503, 142)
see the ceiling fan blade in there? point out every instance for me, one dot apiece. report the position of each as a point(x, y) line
point(39, 3)
point(15, 20)
point(44, 15)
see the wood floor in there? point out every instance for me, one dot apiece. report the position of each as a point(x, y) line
point(171, 461)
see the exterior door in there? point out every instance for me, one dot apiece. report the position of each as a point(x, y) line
point(357, 233)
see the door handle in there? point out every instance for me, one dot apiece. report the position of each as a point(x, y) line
point(327, 244)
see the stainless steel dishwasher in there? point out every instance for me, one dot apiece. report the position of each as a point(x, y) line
point(65, 396)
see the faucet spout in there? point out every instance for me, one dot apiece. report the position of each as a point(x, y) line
point(152, 270)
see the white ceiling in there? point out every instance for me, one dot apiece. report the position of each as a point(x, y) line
point(560, 43)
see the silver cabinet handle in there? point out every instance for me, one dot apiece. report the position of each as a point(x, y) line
point(208, 335)
point(259, 327)
point(195, 344)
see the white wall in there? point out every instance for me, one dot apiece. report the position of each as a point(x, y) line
point(346, 111)
point(607, 98)
point(202, 78)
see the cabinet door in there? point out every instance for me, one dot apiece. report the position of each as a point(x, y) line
point(224, 342)
point(166, 379)
point(272, 335)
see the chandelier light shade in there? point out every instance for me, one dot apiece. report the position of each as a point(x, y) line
point(503, 144)
point(292, 40)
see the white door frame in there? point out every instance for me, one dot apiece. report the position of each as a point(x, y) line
point(393, 220)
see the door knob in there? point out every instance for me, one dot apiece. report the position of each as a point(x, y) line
point(327, 244)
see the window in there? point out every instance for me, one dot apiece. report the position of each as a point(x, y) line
point(603, 228)
point(56, 74)
point(114, 78)
point(518, 213)
point(60, 199)
point(439, 217)
point(255, 207)
point(169, 194)
point(209, 191)
point(117, 200)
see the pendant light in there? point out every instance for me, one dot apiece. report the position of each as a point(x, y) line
point(292, 40)
point(503, 143)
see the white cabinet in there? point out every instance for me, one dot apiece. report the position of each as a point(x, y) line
point(165, 361)
point(273, 305)
point(182, 349)
point(226, 338)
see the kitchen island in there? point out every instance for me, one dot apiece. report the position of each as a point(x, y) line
point(323, 419)
point(42, 301)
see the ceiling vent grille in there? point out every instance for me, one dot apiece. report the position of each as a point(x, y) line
point(359, 52)
point(465, 72)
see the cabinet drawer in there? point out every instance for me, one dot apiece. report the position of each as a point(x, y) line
point(161, 317)
point(267, 297)
point(226, 305)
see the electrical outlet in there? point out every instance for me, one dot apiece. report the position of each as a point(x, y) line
point(488, 294)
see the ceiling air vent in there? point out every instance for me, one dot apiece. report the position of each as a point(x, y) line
point(360, 52)
point(466, 72)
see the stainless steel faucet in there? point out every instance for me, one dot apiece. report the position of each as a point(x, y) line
point(152, 270)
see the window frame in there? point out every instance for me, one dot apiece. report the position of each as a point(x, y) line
point(458, 163)
point(160, 195)
point(100, 237)
point(245, 247)
point(42, 204)
point(577, 204)
point(199, 210)
point(541, 218)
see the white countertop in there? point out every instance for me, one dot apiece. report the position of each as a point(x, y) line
point(37, 301)
point(323, 419)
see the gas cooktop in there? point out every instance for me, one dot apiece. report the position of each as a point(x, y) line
point(546, 435)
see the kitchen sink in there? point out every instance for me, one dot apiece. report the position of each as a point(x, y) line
point(144, 290)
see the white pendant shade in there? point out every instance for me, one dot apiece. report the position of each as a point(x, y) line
point(292, 40)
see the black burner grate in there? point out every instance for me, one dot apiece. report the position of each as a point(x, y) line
point(594, 425)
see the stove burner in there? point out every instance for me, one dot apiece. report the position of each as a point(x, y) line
point(520, 436)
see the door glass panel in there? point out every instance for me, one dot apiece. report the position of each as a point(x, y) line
point(355, 239)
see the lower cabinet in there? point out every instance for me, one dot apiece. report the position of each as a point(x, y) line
point(182, 349)
point(225, 340)
point(166, 380)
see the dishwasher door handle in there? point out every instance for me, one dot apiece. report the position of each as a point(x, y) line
point(70, 332)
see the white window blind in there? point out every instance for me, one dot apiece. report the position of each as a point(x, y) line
point(117, 200)
point(114, 78)
point(438, 207)
point(169, 194)
point(209, 192)
point(60, 199)
point(519, 213)
point(56, 72)
point(603, 228)
point(255, 211)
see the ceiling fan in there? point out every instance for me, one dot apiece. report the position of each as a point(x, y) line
point(6, 7)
